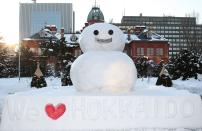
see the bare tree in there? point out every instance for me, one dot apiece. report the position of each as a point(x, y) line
point(193, 14)
point(191, 31)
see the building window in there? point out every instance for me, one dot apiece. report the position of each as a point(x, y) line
point(77, 52)
point(32, 49)
point(39, 51)
point(159, 51)
point(150, 51)
point(140, 51)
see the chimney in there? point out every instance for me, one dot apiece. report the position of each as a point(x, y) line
point(34, 1)
point(62, 32)
point(73, 21)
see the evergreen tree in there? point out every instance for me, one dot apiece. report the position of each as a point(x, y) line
point(8, 67)
point(27, 65)
point(141, 65)
point(146, 67)
point(185, 65)
point(60, 50)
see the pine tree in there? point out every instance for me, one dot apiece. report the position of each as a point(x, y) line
point(8, 67)
point(185, 65)
point(60, 50)
point(147, 68)
point(26, 61)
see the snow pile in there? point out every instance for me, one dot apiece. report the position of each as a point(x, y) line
point(144, 87)
point(192, 85)
point(11, 86)
point(142, 108)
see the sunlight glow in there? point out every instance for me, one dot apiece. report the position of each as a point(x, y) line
point(11, 39)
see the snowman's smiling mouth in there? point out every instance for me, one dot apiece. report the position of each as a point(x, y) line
point(103, 41)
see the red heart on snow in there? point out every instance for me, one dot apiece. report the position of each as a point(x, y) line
point(55, 112)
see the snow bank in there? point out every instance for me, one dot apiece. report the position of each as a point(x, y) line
point(143, 108)
point(192, 85)
point(143, 86)
point(10, 86)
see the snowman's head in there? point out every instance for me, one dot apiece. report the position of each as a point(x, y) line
point(102, 37)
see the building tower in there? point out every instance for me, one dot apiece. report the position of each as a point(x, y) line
point(95, 15)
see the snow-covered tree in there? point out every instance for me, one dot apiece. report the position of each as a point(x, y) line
point(60, 50)
point(8, 68)
point(185, 65)
point(141, 65)
point(146, 67)
point(200, 64)
point(26, 60)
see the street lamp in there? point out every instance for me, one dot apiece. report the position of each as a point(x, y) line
point(19, 64)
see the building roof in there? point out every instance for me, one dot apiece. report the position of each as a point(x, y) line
point(72, 39)
point(150, 35)
point(43, 34)
point(95, 15)
point(69, 38)
point(146, 35)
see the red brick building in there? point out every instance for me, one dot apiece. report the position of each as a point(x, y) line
point(147, 44)
point(140, 42)
point(154, 50)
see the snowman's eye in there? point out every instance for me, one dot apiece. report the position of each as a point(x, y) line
point(96, 32)
point(110, 32)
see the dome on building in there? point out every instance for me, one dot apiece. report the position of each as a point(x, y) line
point(95, 15)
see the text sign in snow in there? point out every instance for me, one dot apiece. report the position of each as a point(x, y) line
point(103, 112)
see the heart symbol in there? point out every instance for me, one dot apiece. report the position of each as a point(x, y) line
point(55, 112)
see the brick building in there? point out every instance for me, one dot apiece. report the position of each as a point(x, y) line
point(140, 42)
point(146, 43)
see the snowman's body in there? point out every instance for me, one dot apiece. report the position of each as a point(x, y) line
point(103, 67)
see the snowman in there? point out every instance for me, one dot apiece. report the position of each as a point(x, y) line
point(103, 67)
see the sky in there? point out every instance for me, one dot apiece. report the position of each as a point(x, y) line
point(112, 10)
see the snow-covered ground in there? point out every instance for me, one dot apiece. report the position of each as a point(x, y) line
point(192, 85)
point(13, 85)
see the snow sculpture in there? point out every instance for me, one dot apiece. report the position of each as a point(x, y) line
point(103, 67)
point(38, 80)
point(66, 109)
point(102, 37)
